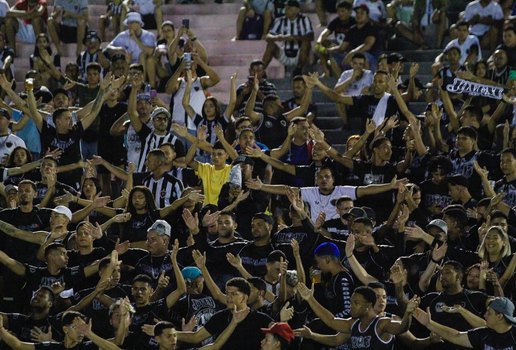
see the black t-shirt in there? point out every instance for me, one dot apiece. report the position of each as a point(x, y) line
point(86, 345)
point(365, 106)
point(434, 195)
point(508, 189)
point(356, 37)
point(76, 259)
point(135, 229)
point(146, 314)
point(341, 28)
point(272, 131)
point(70, 145)
point(154, 266)
point(254, 258)
point(21, 325)
point(337, 228)
point(60, 189)
point(111, 148)
point(247, 334)
point(464, 166)
point(484, 338)
point(511, 54)
point(335, 294)
point(40, 277)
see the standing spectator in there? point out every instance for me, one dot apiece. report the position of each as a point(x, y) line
point(329, 49)
point(113, 15)
point(485, 18)
point(25, 21)
point(265, 88)
point(296, 32)
point(429, 21)
point(68, 23)
point(254, 19)
point(135, 41)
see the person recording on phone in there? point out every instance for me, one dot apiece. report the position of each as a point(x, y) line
point(176, 85)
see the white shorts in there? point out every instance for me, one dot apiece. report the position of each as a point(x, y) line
point(25, 33)
point(288, 61)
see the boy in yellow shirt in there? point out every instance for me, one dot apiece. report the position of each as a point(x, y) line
point(214, 175)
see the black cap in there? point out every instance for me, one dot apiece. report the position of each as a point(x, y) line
point(117, 57)
point(355, 212)
point(265, 217)
point(456, 211)
point(60, 91)
point(91, 35)
point(361, 7)
point(5, 114)
point(458, 180)
point(395, 57)
point(244, 159)
point(370, 213)
point(293, 3)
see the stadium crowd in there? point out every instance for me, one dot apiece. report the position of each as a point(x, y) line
point(128, 222)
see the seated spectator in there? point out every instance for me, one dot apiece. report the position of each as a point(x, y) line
point(324, 6)
point(509, 44)
point(150, 11)
point(44, 61)
point(296, 32)
point(136, 42)
point(254, 19)
point(401, 15)
point(469, 46)
point(485, 18)
point(500, 71)
point(377, 9)
point(68, 23)
point(265, 88)
point(112, 17)
point(329, 49)
point(6, 60)
point(93, 53)
point(25, 21)
point(430, 21)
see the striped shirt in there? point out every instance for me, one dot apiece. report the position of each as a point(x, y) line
point(165, 190)
point(149, 141)
point(300, 26)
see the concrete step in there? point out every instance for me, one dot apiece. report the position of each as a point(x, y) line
point(96, 10)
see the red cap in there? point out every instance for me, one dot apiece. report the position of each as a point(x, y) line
point(281, 329)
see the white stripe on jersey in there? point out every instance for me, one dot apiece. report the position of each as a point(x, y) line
point(153, 141)
point(165, 190)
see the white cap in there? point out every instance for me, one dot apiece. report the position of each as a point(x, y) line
point(61, 209)
point(133, 17)
point(161, 227)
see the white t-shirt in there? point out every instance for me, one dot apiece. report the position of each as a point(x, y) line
point(124, 40)
point(357, 86)
point(197, 98)
point(319, 202)
point(8, 143)
point(470, 42)
point(493, 9)
point(4, 8)
point(377, 10)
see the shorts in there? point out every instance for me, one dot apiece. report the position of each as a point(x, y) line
point(25, 33)
point(68, 34)
point(288, 61)
point(149, 21)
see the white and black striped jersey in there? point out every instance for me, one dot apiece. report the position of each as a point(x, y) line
point(149, 141)
point(165, 190)
point(300, 26)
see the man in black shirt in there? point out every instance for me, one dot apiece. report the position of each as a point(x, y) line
point(298, 90)
point(246, 335)
point(499, 332)
point(254, 254)
point(266, 88)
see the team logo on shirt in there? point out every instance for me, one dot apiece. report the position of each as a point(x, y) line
point(283, 123)
point(163, 194)
point(268, 124)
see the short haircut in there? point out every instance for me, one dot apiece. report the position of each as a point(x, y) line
point(28, 182)
point(256, 63)
point(52, 247)
point(376, 285)
point(448, 50)
point(359, 55)
point(297, 120)
point(270, 98)
point(510, 29)
point(368, 294)
point(50, 292)
point(219, 145)
point(344, 5)
point(275, 256)
point(327, 167)
point(456, 266)
point(228, 213)
point(461, 24)
point(51, 158)
point(378, 142)
point(161, 326)
point(365, 221)
point(95, 66)
point(245, 130)
point(475, 111)
point(69, 316)
point(468, 131)
point(381, 72)
point(257, 283)
point(142, 278)
point(508, 150)
point(298, 78)
point(241, 120)
point(168, 144)
point(241, 284)
point(156, 152)
point(58, 112)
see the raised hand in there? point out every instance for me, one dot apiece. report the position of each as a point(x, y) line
point(190, 325)
point(303, 291)
point(234, 260)
point(239, 316)
point(413, 304)
point(163, 280)
point(304, 332)
point(414, 68)
point(482, 172)
point(123, 247)
point(254, 184)
point(38, 335)
point(199, 258)
point(286, 312)
point(121, 218)
point(195, 196)
point(191, 221)
point(423, 317)
point(321, 219)
point(370, 126)
point(175, 250)
point(210, 219)
point(396, 273)
point(295, 247)
point(439, 252)
point(179, 130)
point(455, 309)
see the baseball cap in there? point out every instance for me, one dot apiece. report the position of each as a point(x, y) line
point(356, 212)
point(361, 7)
point(61, 209)
point(282, 330)
point(5, 114)
point(327, 248)
point(265, 217)
point(190, 273)
point(117, 57)
point(161, 227)
point(395, 57)
point(440, 224)
point(160, 110)
point(505, 307)
point(456, 211)
point(370, 213)
point(458, 180)
point(244, 159)
point(9, 188)
point(91, 35)
point(145, 97)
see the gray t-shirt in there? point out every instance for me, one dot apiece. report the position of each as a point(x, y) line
point(74, 6)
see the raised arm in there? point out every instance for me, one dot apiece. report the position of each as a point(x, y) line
point(15, 266)
point(276, 163)
point(200, 261)
point(132, 110)
point(395, 327)
point(174, 296)
point(330, 93)
point(211, 78)
point(251, 102)
point(452, 335)
point(260, 186)
point(12, 341)
point(33, 109)
point(230, 108)
point(186, 97)
point(32, 237)
point(358, 270)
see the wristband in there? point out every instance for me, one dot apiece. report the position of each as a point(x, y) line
point(349, 257)
point(437, 262)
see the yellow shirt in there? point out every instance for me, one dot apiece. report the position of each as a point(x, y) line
point(212, 181)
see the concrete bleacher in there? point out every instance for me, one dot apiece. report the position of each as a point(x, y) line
point(214, 25)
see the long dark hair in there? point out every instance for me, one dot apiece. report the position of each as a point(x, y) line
point(218, 110)
point(10, 160)
point(95, 181)
point(149, 199)
point(36, 49)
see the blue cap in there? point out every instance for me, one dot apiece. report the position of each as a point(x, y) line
point(190, 273)
point(327, 248)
